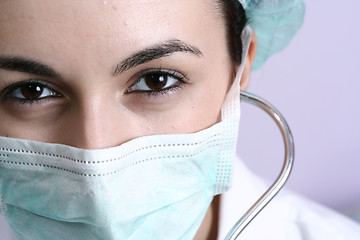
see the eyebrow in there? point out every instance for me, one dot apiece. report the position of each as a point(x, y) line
point(20, 64)
point(158, 51)
point(165, 49)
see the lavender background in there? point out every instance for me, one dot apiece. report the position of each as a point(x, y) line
point(315, 83)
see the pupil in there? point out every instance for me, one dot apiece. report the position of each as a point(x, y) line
point(156, 81)
point(31, 91)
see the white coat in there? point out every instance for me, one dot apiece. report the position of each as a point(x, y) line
point(287, 217)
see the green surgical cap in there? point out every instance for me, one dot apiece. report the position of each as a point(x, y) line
point(275, 23)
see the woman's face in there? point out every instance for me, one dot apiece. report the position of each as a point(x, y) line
point(95, 74)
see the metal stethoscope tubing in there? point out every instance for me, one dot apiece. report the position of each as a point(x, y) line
point(286, 169)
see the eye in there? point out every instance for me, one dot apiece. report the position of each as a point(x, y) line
point(157, 81)
point(29, 91)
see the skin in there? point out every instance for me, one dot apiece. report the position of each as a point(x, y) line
point(84, 42)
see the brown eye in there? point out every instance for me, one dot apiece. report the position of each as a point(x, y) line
point(156, 81)
point(32, 91)
point(29, 91)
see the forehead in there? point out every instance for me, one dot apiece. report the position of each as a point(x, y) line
point(86, 23)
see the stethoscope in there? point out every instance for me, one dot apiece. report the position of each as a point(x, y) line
point(286, 169)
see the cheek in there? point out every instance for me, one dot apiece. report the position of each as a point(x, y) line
point(197, 109)
point(25, 124)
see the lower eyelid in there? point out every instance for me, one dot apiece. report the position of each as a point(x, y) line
point(168, 92)
point(20, 105)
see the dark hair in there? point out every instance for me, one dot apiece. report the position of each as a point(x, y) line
point(235, 20)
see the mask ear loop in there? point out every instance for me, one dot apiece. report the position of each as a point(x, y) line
point(286, 169)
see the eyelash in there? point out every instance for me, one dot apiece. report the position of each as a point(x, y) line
point(11, 88)
point(180, 77)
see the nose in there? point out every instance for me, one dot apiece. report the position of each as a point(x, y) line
point(97, 122)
